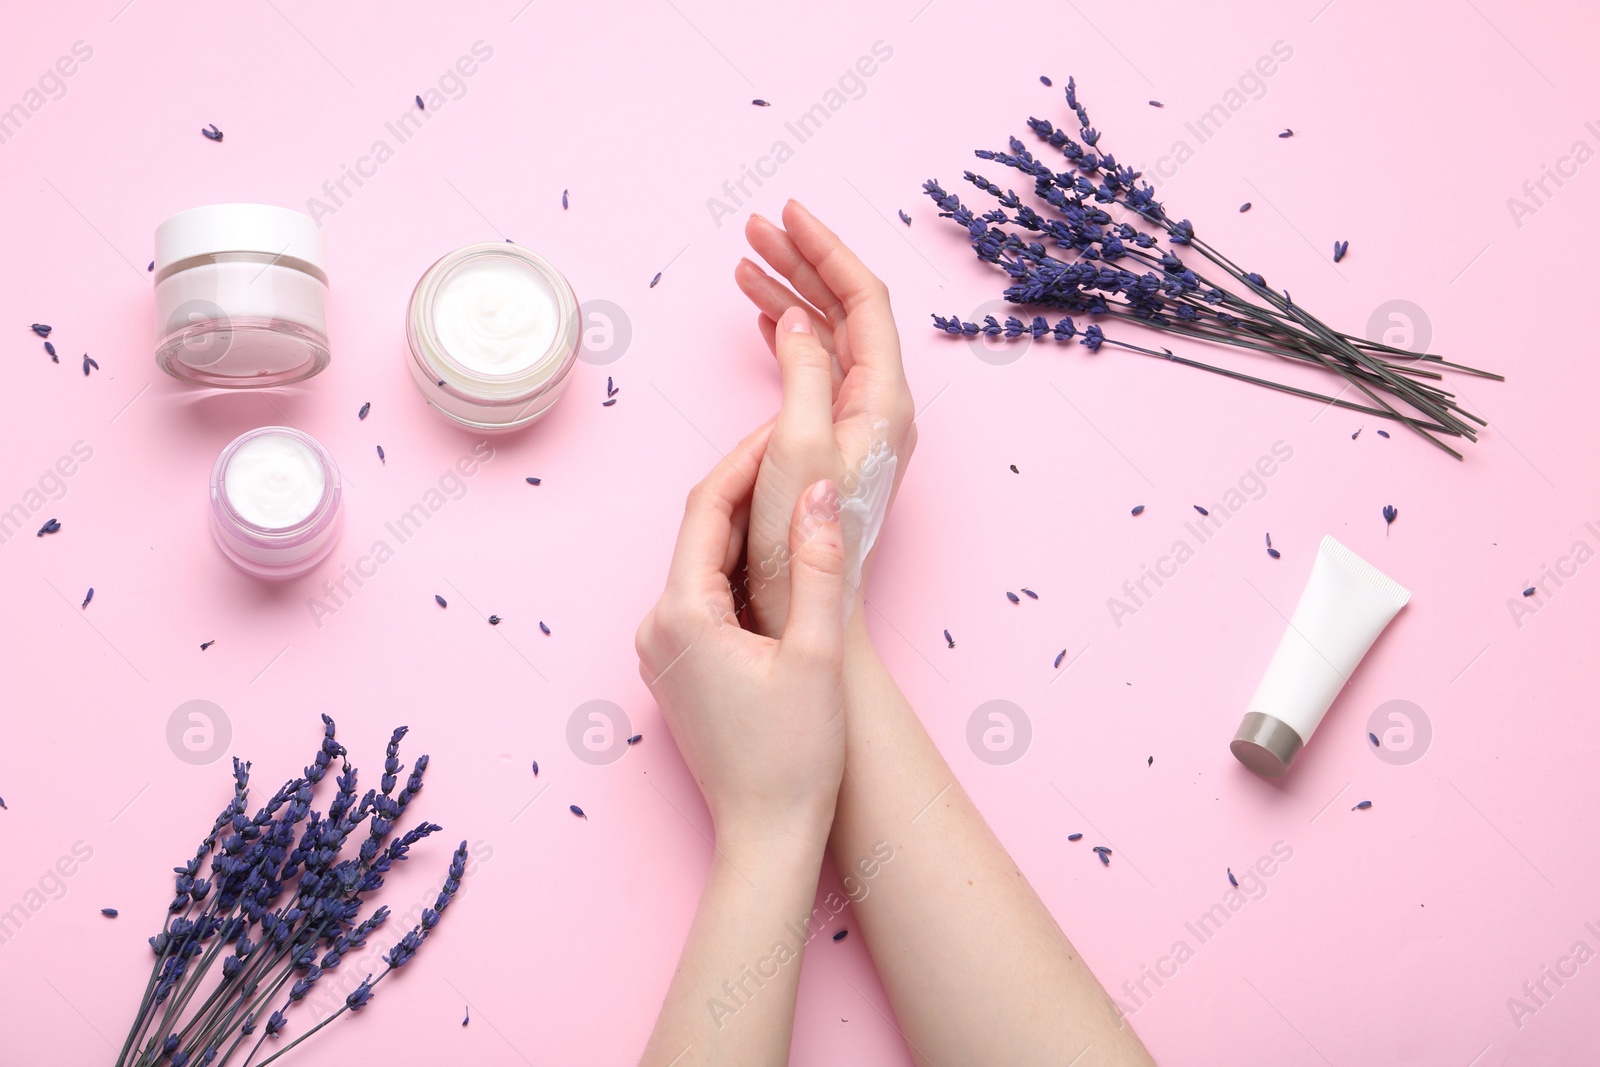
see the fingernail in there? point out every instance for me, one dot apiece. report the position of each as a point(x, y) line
point(822, 500)
point(796, 320)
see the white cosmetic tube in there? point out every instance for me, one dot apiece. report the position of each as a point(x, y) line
point(1345, 606)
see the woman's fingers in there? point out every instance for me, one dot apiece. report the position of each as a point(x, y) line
point(873, 339)
point(773, 245)
point(774, 298)
point(806, 418)
point(710, 518)
point(817, 588)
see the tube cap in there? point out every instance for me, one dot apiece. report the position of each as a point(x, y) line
point(1266, 744)
point(275, 231)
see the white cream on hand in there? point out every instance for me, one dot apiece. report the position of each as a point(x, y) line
point(496, 316)
point(864, 503)
point(274, 481)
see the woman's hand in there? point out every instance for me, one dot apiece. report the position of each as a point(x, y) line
point(760, 722)
point(847, 367)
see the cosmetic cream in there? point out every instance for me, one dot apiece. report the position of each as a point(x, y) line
point(275, 500)
point(1345, 606)
point(493, 332)
point(240, 296)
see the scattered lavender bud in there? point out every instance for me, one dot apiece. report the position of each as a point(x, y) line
point(3, 804)
point(381, 458)
point(439, 600)
point(468, 1017)
point(1286, 133)
point(1274, 553)
point(1044, 81)
point(1231, 879)
point(151, 268)
point(86, 598)
point(1244, 207)
point(212, 133)
point(420, 105)
point(1157, 103)
point(1150, 762)
point(41, 329)
point(49, 528)
point(611, 389)
point(1269, 540)
point(577, 811)
point(1383, 433)
point(207, 644)
point(1074, 837)
point(88, 362)
point(1374, 739)
point(1014, 469)
point(536, 768)
point(1390, 513)
point(532, 481)
point(1363, 806)
point(758, 102)
point(365, 410)
point(1104, 854)
point(543, 628)
point(1530, 591)
point(1201, 510)
point(905, 218)
point(1014, 598)
point(1059, 657)
point(494, 620)
point(635, 739)
point(564, 200)
point(50, 350)
point(840, 935)
point(1138, 509)
point(655, 280)
point(1339, 249)
point(949, 640)
point(608, 403)
point(110, 913)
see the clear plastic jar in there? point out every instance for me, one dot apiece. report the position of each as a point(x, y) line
point(275, 502)
point(493, 332)
point(240, 296)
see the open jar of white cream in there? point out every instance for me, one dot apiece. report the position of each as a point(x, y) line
point(241, 295)
point(493, 332)
point(275, 502)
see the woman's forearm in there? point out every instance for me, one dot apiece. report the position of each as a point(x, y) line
point(732, 997)
point(975, 966)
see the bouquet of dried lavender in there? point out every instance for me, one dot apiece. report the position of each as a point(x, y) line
point(1215, 301)
point(281, 907)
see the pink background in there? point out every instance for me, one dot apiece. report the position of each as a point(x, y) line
point(1394, 935)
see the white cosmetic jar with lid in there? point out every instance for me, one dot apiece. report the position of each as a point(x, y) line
point(493, 332)
point(275, 502)
point(241, 296)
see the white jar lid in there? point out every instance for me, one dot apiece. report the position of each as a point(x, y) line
point(275, 231)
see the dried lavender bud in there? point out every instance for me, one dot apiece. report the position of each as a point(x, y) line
point(1530, 591)
point(1031, 594)
point(365, 408)
point(1044, 81)
point(1231, 879)
point(635, 739)
point(110, 913)
point(151, 268)
point(1157, 103)
point(87, 597)
point(1151, 762)
point(1013, 597)
point(758, 102)
point(50, 350)
point(1201, 510)
point(1014, 469)
point(840, 935)
point(1339, 249)
point(1390, 513)
point(207, 644)
point(87, 363)
point(468, 1017)
point(563, 200)
point(420, 105)
point(904, 217)
point(1274, 553)
point(441, 601)
point(577, 811)
point(1383, 433)
point(1138, 509)
point(211, 133)
point(1363, 806)
point(494, 620)
point(655, 280)
point(49, 528)
point(536, 768)
point(1244, 207)
point(1059, 657)
point(41, 329)
point(1374, 739)
point(949, 640)
point(608, 403)
point(381, 458)
point(543, 628)
point(532, 481)
point(1074, 837)
point(1286, 133)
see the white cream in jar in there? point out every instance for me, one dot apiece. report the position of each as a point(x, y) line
point(493, 332)
point(275, 502)
point(274, 480)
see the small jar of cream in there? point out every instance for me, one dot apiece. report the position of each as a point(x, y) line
point(275, 502)
point(241, 295)
point(493, 331)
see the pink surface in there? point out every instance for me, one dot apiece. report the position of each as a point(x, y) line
point(1393, 935)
